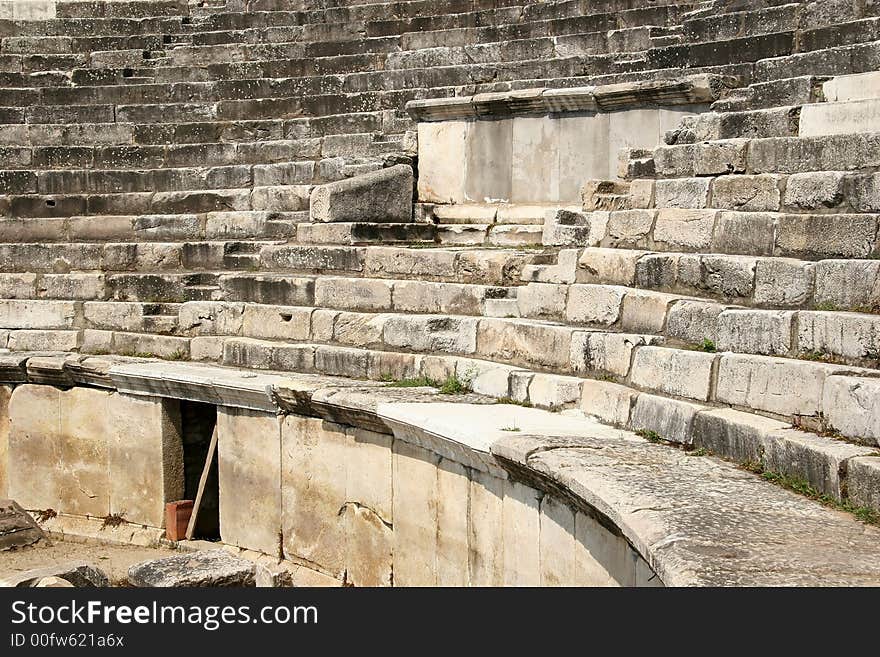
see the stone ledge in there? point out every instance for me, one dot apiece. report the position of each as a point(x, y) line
point(629, 485)
point(691, 90)
point(667, 506)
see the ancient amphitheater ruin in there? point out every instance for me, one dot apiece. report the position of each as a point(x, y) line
point(474, 292)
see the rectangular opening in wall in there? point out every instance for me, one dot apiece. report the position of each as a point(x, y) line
point(197, 425)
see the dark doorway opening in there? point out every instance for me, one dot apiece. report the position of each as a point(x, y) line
point(197, 421)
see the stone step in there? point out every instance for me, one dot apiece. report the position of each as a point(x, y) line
point(789, 235)
point(824, 400)
point(845, 152)
point(835, 468)
point(817, 335)
point(289, 153)
point(344, 131)
point(280, 198)
point(839, 193)
point(764, 282)
point(364, 233)
point(164, 179)
point(840, 118)
point(154, 228)
point(750, 124)
point(506, 235)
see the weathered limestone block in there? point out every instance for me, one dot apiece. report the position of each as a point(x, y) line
point(43, 340)
point(830, 236)
point(684, 230)
point(814, 190)
point(27, 314)
point(694, 321)
point(485, 532)
point(453, 498)
point(783, 282)
point(756, 332)
point(553, 391)
point(415, 515)
point(85, 424)
point(341, 361)
point(203, 568)
point(599, 352)
point(249, 474)
point(64, 575)
point(848, 284)
point(601, 558)
point(117, 315)
point(337, 506)
point(682, 193)
point(313, 492)
point(524, 342)
point(17, 528)
point(776, 385)
point(210, 318)
point(557, 544)
point(58, 449)
point(359, 329)
point(645, 310)
point(817, 459)
point(541, 300)
point(276, 322)
point(417, 296)
point(629, 228)
point(746, 233)
point(608, 266)
point(735, 434)
point(5, 394)
point(521, 547)
point(670, 419)
point(145, 457)
point(368, 517)
point(732, 277)
point(673, 371)
point(721, 157)
point(840, 118)
point(851, 404)
point(353, 294)
point(442, 147)
point(72, 286)
point(610, 402)
point(851, 335)
point(428, 333)
point(863, 481)
point(379, 196)
point(746, 193)
point(594, 304)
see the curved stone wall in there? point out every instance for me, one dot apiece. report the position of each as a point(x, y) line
point(365, 507)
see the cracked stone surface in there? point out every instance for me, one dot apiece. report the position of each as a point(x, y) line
point(702, 522)
point(17, 528)
point(197, 569)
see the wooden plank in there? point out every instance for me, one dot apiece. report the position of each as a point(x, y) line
point(209, 460)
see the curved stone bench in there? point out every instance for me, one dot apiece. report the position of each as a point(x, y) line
point(359, 480)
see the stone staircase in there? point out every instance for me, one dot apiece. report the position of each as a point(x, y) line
point(721, 295)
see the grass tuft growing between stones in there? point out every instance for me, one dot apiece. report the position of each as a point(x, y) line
point(651, 436)
point(803, 487)
point(513, 402)
point(418, 382)
point(454, 386)
point(707, 345)
point(451, 386)
point(510, 428)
